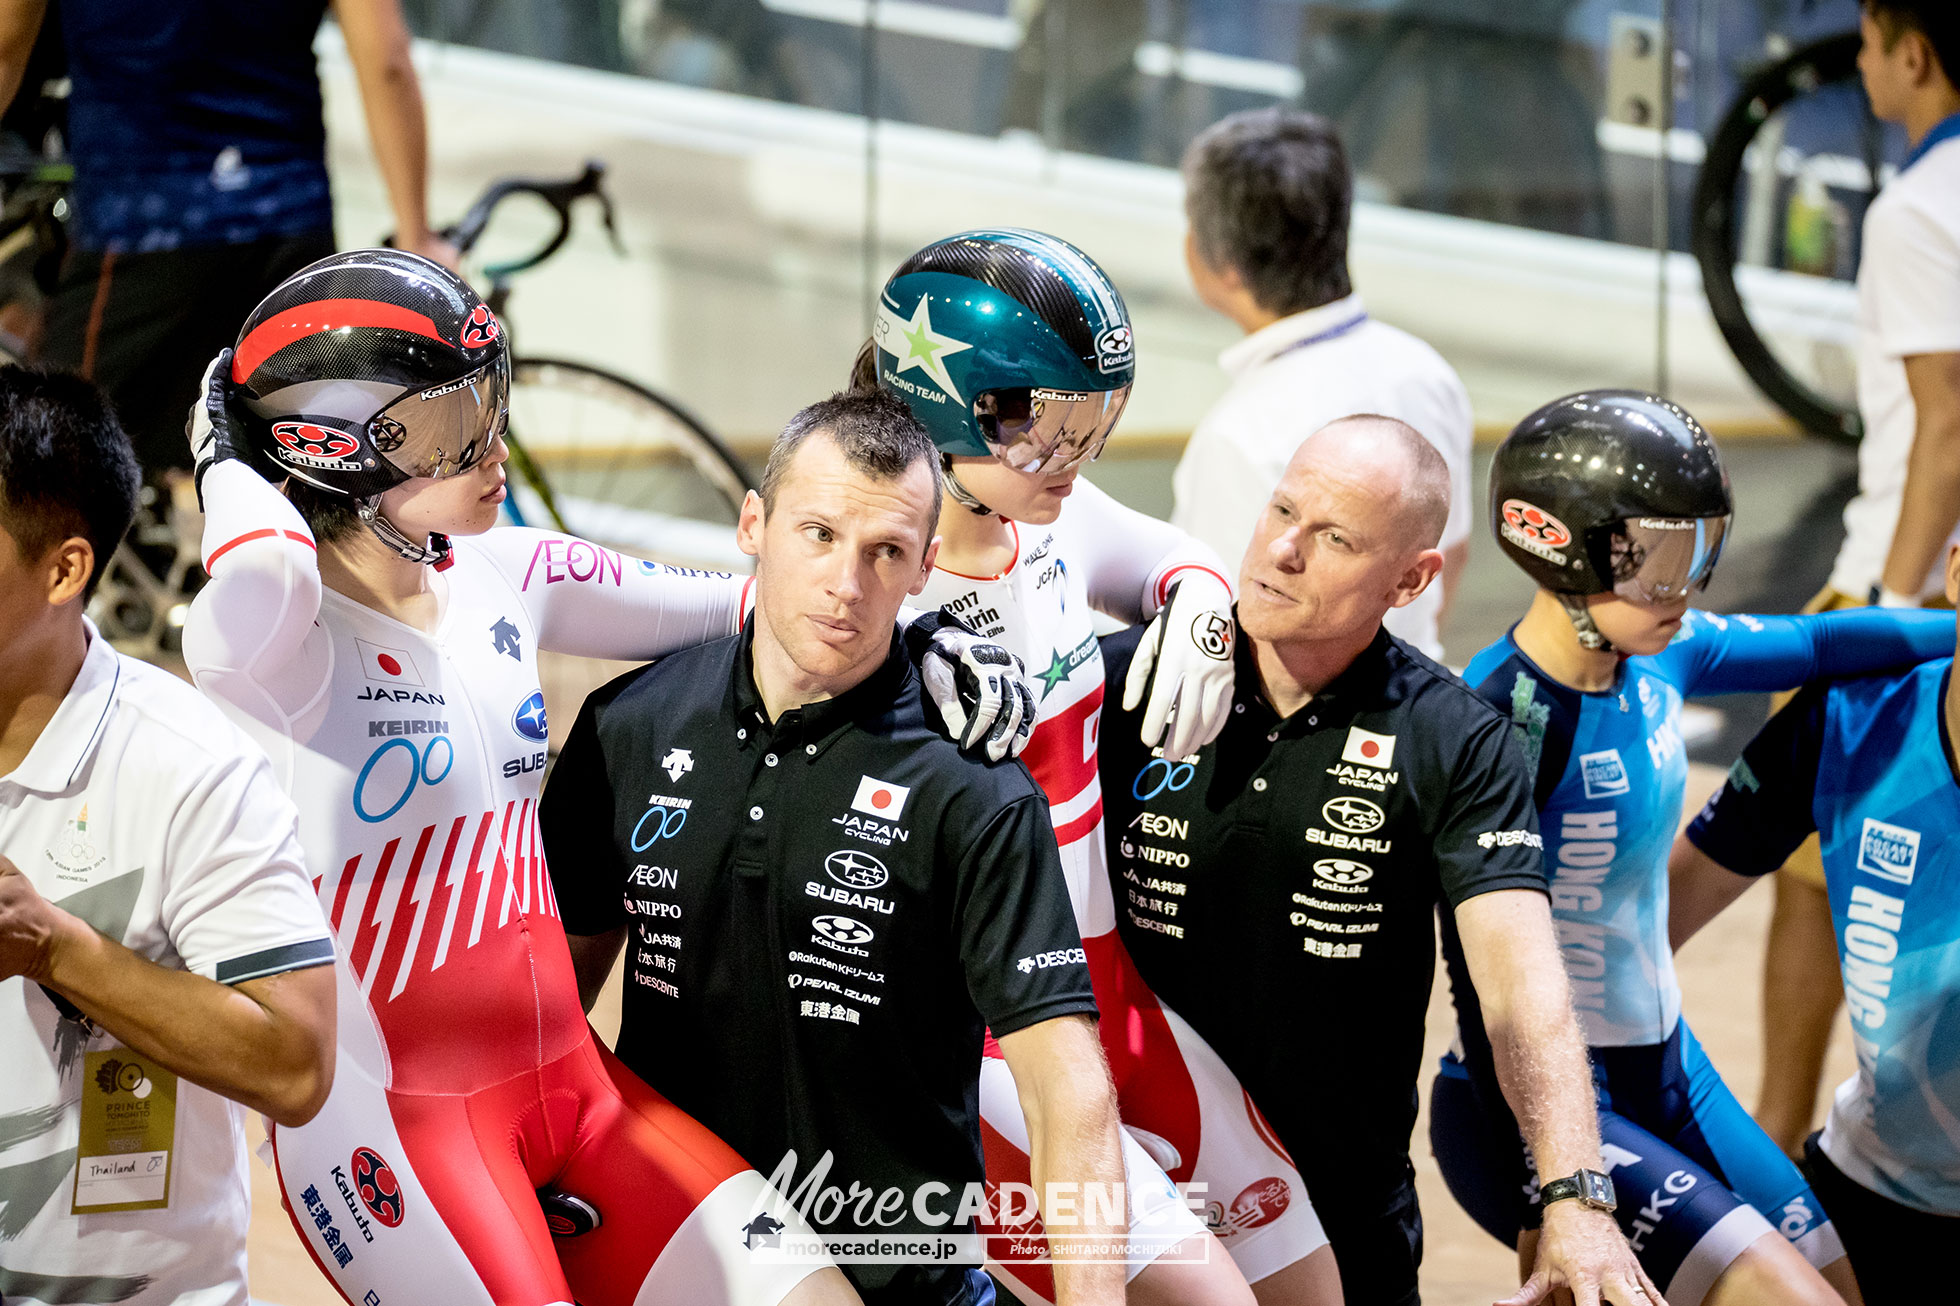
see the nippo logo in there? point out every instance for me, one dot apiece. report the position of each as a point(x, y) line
point(481, 329)
point(380, 1191)
point(313, 441)
point(1530, 520)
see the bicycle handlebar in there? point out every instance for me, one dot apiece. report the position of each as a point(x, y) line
point(560, 195)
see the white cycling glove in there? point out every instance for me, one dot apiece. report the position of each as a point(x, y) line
point(979, 687)
point(1183, 667)
point(214, 430)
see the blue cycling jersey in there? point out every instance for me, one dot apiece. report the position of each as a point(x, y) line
point(1612, 770)
point(1867, 764)
point(196, 122)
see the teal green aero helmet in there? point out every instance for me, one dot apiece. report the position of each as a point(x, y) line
point(1007, 343)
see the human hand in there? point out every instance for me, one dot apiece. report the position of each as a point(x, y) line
point(1182, 671)
point(435, 247)
point(216, 431)
point(1582, 1250)
point(981, 690)
point(29, 927)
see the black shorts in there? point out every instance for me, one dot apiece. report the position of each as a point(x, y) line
point(143, 326)
point(1897, 1251)
point(1377, 1241)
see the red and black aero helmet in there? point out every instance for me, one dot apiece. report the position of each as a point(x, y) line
point(371, 367)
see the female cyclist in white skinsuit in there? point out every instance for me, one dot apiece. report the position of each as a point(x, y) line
point(400, 704)
point(1014, 350)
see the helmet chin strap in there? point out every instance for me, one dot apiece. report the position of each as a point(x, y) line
point(1580, 616)
point(434, 552)
point(961, 495)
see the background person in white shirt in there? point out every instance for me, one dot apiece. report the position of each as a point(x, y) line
point(155, 919)
point(1896, 531)
point(1267, 197)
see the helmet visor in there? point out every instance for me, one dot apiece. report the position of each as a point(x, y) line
point(446, 429)
point(1665, 559)
point(1038, 431)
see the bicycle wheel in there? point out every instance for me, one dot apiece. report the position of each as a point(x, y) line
point(604, 458)
point(1797, 157)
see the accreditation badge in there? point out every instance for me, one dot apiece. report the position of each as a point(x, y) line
point(129, 1121)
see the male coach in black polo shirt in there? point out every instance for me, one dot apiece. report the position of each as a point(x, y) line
point(1278, 888)
point(826, 900)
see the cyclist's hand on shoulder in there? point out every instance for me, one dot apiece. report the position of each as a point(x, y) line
point(980, 689)
point(1181, 674)
point(218, 429)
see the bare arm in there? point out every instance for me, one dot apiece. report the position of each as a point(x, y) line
point(1698, 888)
point(593, 956)
point(378, 46)
point(20, 24)
point(267, 1043)
point(1514, 963)
point(1070, 1106)
point(1931, 505)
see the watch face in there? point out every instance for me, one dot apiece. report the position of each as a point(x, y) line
point(1598, 1188)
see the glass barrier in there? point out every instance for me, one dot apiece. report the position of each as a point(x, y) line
point(1572, 118)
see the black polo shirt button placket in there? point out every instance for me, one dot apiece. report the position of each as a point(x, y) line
point(814, 980)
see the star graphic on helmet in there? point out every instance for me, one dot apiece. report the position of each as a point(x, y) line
point(925, 348)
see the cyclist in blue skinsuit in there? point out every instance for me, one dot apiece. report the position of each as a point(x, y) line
point(1870, 765)
point(1616, 504)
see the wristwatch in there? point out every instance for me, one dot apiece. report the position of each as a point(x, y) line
point(1589, 1187)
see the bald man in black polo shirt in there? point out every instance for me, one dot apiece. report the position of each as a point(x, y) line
point(1277, 888)
point(826, 901)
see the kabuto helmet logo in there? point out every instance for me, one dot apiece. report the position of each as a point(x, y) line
point(1115, 348)
point(310, 440)
point(380, 1191)
point(481, 328)
point(1532, 528)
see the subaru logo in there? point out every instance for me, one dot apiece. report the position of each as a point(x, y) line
point(528, 720)
point(842, 929)
point(1354, 815)
point(855, 870)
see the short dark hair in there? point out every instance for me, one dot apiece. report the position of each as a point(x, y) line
point(877, 432)
point(66, 468)
point(1936, 20)
point(1268, 193)
point(329, 515)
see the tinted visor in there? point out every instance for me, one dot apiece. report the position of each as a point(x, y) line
point(1040, 431)
point(1665, 559)
point(445, 429)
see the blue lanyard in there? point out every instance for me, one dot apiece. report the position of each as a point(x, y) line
point(1331, 333)
point(1945, 129)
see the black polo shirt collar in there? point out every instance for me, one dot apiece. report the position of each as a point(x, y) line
point(1359, 683)
point(814, 726)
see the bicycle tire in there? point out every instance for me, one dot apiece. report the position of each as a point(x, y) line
point(1822, 62)
point(611, 460)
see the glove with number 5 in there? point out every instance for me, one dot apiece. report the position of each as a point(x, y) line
point(1182, 672)
point(979, 687)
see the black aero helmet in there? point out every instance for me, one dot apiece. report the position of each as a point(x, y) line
point(372, 367)
point(1611, 491)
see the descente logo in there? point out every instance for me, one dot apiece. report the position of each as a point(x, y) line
point(1044, 960)
point(1510, 839)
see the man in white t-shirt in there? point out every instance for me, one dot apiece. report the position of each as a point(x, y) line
point(163, 958)
point(1267, 197)
point(1897, 529)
